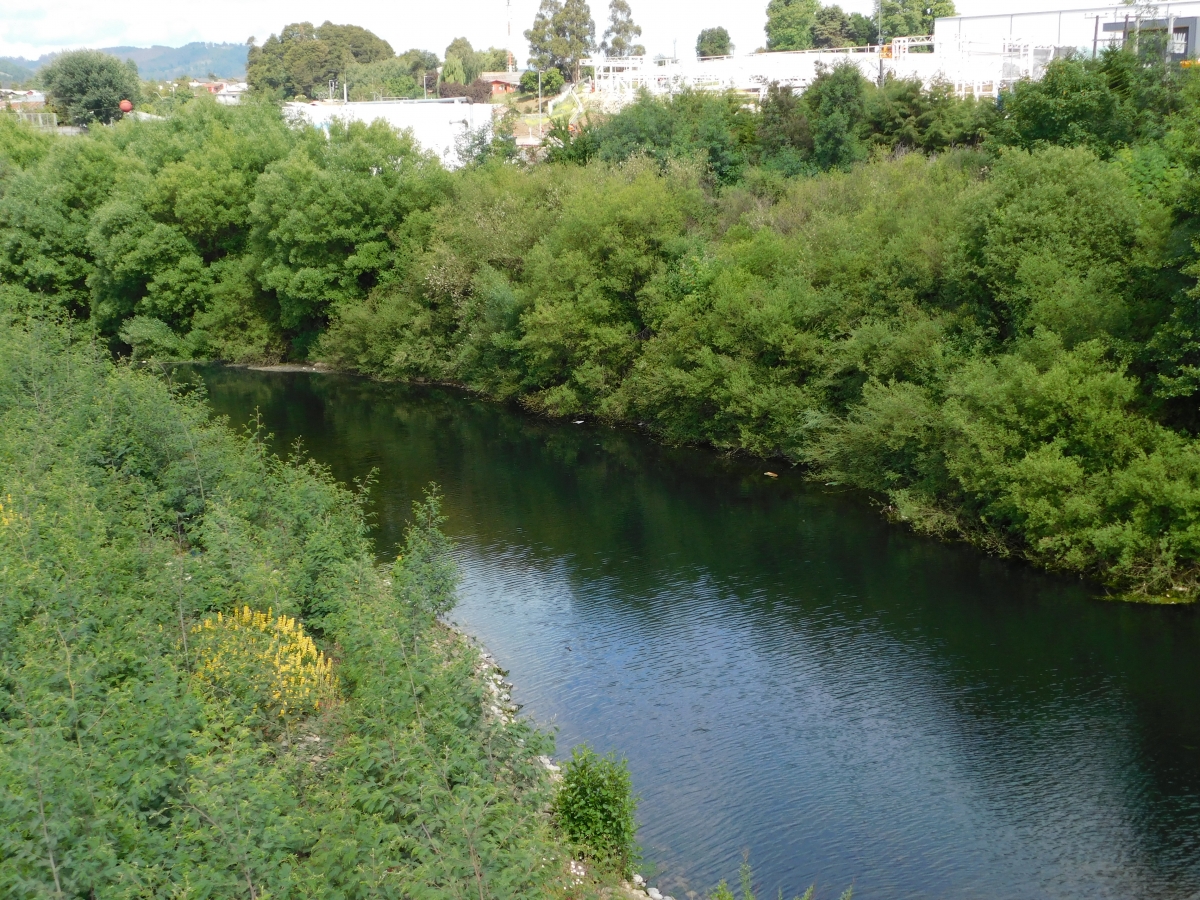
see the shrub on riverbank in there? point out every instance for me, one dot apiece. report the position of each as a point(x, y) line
point(132, 766)
point(595, 806)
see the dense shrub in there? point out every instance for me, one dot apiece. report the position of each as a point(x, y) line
point(595, 807)
point(135, 761)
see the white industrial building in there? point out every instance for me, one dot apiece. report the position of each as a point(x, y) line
point(438, 126)
point(979, 55)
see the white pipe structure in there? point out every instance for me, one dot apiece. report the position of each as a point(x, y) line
point(978, 55)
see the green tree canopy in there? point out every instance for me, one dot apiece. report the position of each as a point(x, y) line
point(835, 28)
point(713, 42)
point(562, 34)
point(836, 102)
point(552, 81)
point(454, 72)
point(464, 54)
point(621, 34)
point(301, 59)
point(905, 17)
point(88, 86)
point(790, 24)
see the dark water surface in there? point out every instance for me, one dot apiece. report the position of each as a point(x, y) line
point(788, 674)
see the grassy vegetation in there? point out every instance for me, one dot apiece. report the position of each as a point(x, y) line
point(985, 314)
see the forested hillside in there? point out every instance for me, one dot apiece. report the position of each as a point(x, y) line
point(984, 313)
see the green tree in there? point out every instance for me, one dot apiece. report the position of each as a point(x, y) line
point(834, 28)
point(541, 37)
point(301, 60)
point(454, 72)
point(790, 24)
point(836, 103)
point(913, 17)
point(328, 222)
point(472, 62)
point(1076, 103)
point(863, 29)
point(785, 135)
point(562, 34)
point(88, 86)
point(552, 81)
point(713, 42)
point(621, 34)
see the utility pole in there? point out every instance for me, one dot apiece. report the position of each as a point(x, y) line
point(1095, 35)
point(540, 102)
point(879, 9)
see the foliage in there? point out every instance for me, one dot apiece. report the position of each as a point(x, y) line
point(834, 28)
point(301, 60)
point(930, 298)
point(621, 35)
point(550, 82)
point(801, 24)
point(88, 86)
point(836, 101)
point(453, 72)
point(790, 24)
point(595, 807)
point(1105, 103)
point(913, 17)
point(407, 75)
point(475, 62)
point(562, 34)
point(325, 220)
point(128, 519)
point(713, 42)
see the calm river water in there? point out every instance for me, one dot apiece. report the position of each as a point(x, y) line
point(788, 675)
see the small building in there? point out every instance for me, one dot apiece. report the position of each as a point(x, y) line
point(231, 94)
point(22, 101)
point(502, 82)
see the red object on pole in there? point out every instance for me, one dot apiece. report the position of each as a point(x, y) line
point(126, 106)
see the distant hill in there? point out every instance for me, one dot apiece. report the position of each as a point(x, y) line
point(14, 71)
point(196, 60)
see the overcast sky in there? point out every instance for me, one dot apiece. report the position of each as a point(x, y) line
point(30, 28)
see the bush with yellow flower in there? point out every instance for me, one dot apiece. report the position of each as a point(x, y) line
point(265, 661)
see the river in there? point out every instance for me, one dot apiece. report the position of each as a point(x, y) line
point(788, 675)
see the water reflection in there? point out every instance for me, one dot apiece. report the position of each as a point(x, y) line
point(785, 672)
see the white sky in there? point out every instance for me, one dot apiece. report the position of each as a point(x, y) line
point(30, 28)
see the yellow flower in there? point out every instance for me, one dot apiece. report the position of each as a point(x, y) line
point(265, 659)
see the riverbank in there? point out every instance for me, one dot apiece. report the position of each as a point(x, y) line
point(879, 320)
point(941, 525)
